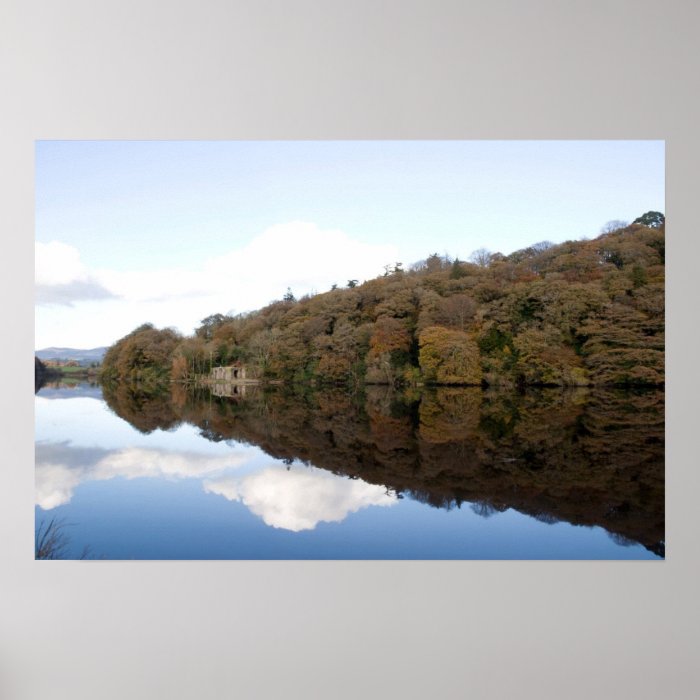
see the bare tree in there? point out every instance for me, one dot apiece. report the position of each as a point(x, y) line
point(542, 246)
point(614, 225)
point(455, 311)
point(481, 257)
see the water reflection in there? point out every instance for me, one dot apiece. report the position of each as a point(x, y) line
point(61, 467)
point(299, 500)
point(296, 460)
point(584, 457)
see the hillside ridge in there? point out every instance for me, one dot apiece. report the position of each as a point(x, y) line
point(571, 314)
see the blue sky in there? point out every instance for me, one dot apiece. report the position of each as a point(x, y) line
point(169, 232)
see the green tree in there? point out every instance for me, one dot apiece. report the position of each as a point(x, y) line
point(652, 219)
point(209, 324)
point(458, 270)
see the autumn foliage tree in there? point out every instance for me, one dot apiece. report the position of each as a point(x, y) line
point(577, 312)
point(145, 354)
point(449, 357)
point(389, 346)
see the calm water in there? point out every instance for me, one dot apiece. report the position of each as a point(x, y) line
point(445, 474)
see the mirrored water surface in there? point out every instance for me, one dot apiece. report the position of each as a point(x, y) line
point(448, 473)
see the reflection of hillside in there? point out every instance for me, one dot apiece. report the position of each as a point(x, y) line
point(599, 462)
point(68, 389)
point(588, 458)
point(145, 410)
point(43, 374)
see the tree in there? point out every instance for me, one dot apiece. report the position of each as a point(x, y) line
point(261, 345)
point(289, 296)
point(458, 270)
point(338, 357)
point(614, 225)
point(449, 357)
point(389, 344)
point(399, 304)
point(652, 219)
point(434, 263)
point(455, 312)
point(145, 354)
point(542, 246)
point(209, 325)
point(389, 335)
point(190, 358)
point(543, 359)
point(622, 345)
point(481, 257)
point(288, 354)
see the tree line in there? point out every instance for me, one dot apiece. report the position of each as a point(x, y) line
point(576, 313)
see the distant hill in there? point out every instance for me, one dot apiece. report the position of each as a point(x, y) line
point(83, 356)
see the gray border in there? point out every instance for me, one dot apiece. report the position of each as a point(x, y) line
point(338, 69)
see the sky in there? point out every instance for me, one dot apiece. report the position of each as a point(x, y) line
point(169, 232)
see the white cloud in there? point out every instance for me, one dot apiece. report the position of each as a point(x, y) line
point(157, 285)
point(299, 499)
point(67, 294)
point(61, 278)
point(302, 256)
point(298, 254)
point(57, 263)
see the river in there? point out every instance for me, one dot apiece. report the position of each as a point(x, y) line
point(450, 473)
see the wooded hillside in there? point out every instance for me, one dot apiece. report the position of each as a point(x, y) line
point(576, 313)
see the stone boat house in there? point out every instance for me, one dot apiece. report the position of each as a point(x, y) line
point(228, 375)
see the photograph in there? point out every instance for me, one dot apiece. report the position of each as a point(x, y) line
point(349, 349)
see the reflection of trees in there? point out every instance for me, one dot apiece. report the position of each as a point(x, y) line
point(43, 374)
point(585, 457)
point(449, 414)
point(39, 374)
point(143, 409)
point(483, 509)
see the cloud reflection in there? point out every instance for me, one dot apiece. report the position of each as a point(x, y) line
point(61, 467)
point(293, 500)
point(299, 499)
